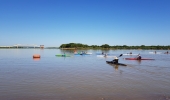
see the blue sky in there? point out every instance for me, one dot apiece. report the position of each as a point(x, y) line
point(91, 22)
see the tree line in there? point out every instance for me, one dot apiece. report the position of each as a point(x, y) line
point(106, 46)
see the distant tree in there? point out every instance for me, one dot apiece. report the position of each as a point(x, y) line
point(63, 46)
point(105, 46)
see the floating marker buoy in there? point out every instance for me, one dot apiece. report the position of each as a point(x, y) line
point(36, 56)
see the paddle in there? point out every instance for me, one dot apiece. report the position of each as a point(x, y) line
point(120, 55)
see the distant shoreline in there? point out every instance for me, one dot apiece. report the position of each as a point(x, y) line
point(85, 49)
point(29, 48)
point(68, 48)
point(115, 47)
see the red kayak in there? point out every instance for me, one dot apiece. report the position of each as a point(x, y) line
point(139, 59)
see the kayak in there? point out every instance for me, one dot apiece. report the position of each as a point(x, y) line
point(166, 53)
point(99, 54)
point(60, 55)
point(130, 54)
point(155, 52)
point(105, 56)
point(82, 54)
point(139, 59)
point(87, 53)
point(111, 62)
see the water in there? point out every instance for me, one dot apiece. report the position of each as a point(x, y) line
point(82, 77)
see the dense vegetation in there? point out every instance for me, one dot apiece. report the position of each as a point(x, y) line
point(106, 46)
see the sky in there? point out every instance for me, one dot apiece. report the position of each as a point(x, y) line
point(92, 22)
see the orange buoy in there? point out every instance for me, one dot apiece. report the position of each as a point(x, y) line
point(36, 56)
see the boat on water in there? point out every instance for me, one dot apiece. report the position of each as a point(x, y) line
point(111, 62)
point(166, 52)
point(128, 54)
point(81, 54)
point(88, 53)
point(62, 55)
point(139, 59)
point(155, 52)
point(105, 56)
point(100, 53)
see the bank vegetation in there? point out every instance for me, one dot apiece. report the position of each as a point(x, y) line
point(106, 46)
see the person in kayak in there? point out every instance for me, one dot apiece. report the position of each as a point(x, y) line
point(75, 51)
point(102, 53)
point(139, 57)
point(115, 61)
point(82, 52)
point(105, 55)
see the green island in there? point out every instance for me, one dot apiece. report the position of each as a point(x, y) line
point(106, 46)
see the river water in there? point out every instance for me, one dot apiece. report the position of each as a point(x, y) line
point(83, 77)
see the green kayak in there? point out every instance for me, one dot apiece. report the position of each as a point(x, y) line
point(60, 55)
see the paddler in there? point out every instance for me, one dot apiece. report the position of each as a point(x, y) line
point(105, 55)
point(115, 61)
point(139, 57)
point(102, 53)
point(75, 52)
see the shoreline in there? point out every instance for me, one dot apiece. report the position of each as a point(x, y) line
point(84, 48)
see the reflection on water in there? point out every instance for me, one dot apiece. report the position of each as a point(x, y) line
point(36, 59)
point(82, 77)
point(116, 67)
point(139, 61)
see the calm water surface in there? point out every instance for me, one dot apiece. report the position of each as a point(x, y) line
point(82, 77)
